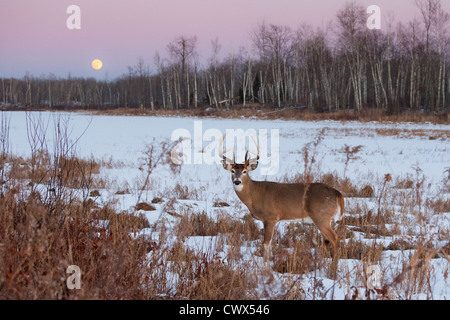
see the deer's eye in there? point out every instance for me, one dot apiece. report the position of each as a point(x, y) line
point(244, 172)
point(232, 171)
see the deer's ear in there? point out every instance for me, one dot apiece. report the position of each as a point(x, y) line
point(252, 164)
point(226, 165)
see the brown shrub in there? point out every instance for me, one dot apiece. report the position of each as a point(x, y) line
point(200, 224)
point(184, 193)
point(353, 249)
point(400, 244)
point(69, 172)
point(404, 184)
point(219, 204)
point(94, 193)
point(366, 192)
point(42, 234)
point(438, 205)
point(40, 240)
point(145, 206)
point(299, 260)
point(209, 277)
point(157, 200)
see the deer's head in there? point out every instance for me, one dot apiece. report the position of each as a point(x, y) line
point(239, 171)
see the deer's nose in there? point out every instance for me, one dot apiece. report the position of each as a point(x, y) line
point(237, 182)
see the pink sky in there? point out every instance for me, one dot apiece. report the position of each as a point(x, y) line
point(34, 37)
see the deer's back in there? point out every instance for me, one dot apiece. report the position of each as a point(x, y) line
point(294, 200)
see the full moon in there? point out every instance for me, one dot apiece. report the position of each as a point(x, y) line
point(97, 64)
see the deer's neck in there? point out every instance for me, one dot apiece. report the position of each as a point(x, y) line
point(246, 191)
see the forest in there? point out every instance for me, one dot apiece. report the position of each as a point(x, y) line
point(343, 65)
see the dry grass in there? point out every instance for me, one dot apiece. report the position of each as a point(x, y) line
point(413, 133)
point(43, 234)
point(42, 168)
point(297, 260)
point(270, 113)
point(438, 205)
point(203, 276)
point(200, 224)
point(185, 193)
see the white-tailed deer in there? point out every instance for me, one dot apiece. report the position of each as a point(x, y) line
point(271, 202)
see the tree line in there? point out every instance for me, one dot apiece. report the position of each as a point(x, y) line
point(343, 65)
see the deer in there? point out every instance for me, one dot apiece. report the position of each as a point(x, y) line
point(271, 202)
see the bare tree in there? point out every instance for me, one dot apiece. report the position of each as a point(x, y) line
point(442, 36)
point(212, 75)
point(352, 26)
point(183, 50)
point(435, 23)
point(274, 45)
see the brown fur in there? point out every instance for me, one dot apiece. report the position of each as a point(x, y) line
point(271, 202)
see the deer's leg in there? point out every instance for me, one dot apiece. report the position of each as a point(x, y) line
point(269, 227)
point(329, 234)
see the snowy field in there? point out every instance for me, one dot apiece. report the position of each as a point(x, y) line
point(416, 199)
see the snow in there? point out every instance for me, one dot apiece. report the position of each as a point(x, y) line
point(418, 150)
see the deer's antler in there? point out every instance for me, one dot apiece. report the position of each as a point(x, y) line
point(257, 148)
point(247, 159)
point(221, 153)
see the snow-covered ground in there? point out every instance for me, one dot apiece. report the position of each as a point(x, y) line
point(124, 139)
point(406, 151)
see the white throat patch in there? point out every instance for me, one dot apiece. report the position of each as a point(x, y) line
point(238, 188)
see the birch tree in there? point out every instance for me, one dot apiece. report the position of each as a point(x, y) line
point(352, 25)
point(182, 50)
